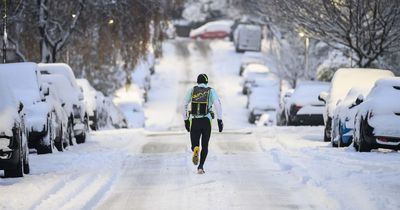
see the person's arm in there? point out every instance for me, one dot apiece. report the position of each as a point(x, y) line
point(186, 101)
point(217, 104)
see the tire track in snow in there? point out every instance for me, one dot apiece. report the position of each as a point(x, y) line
point(54, 189)
point(295, 160)
point(80, 192)
point(64, 194)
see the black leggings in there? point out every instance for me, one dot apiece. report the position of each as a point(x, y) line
point(201, 127)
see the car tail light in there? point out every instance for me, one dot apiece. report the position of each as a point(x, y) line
point(296, 108)
point(383, 139)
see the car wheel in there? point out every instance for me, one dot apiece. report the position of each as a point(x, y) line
point(327, 130)
point(80, 139)
point(59, 143)
point(70, 133)
point(27, 168)
point(363, 146)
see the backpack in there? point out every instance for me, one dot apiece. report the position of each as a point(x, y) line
point(200, 100)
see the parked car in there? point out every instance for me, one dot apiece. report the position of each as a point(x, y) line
point(251, 74)
point(303, 106)
point(64, 130)
point(247, 37)
point(213, 30)
point(249, 58)
point(14, 159)
point(343, 80)
point(263, 100)
point(377, 122)
point(25, 82)
point(80, 116)
point(115, 116)
point(90, 95)
point(343, 117)
point(285, 95)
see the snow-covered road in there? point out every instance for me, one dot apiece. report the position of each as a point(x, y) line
point(247, 167)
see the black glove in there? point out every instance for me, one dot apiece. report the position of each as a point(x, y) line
point(220, 125)
point(187, 125)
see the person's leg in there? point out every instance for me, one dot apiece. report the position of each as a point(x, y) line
point(205, 138)
point(195, 132)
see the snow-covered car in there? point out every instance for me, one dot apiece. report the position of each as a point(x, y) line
point(69, 99)
point(25, 82)
point(80, 116)
point(303, 106)
point(343, 80)
point(285, 95)
point(213, 30)
point(130, 102)
point(343, 116)
point(249, 58)
point(377, 122)
point(14, 159)
point(264, 100)
point(115, 117)
point(63, 130)
point(247, 37)
point(251, 74)
point(90, 102)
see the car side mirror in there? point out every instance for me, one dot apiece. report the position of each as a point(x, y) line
point(46, 91)
point(359, 99)
point(323, 96)
point(20, 107)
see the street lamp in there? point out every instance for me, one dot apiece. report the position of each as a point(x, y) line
point(110, 22)
point(306, 45)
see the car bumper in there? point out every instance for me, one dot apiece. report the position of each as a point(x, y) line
point(35, 137)
point(308, 119)
point(9, 157)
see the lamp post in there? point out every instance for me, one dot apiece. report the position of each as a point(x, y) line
point(5, 32)
point(306, 46)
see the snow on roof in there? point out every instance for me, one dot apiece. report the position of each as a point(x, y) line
point(307, 92)
point(59, 68)
point(252, 57)
point(23, 79)
point(346, 78)
point(219, 25)
point(256, 68)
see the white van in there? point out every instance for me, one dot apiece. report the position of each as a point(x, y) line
point(343, 80)
point(248, 37)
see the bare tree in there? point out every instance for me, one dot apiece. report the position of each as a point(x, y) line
point(369, 28)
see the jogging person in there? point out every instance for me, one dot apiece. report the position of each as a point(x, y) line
point(198, 118)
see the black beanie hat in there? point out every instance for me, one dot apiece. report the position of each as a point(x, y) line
point(202, 78)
